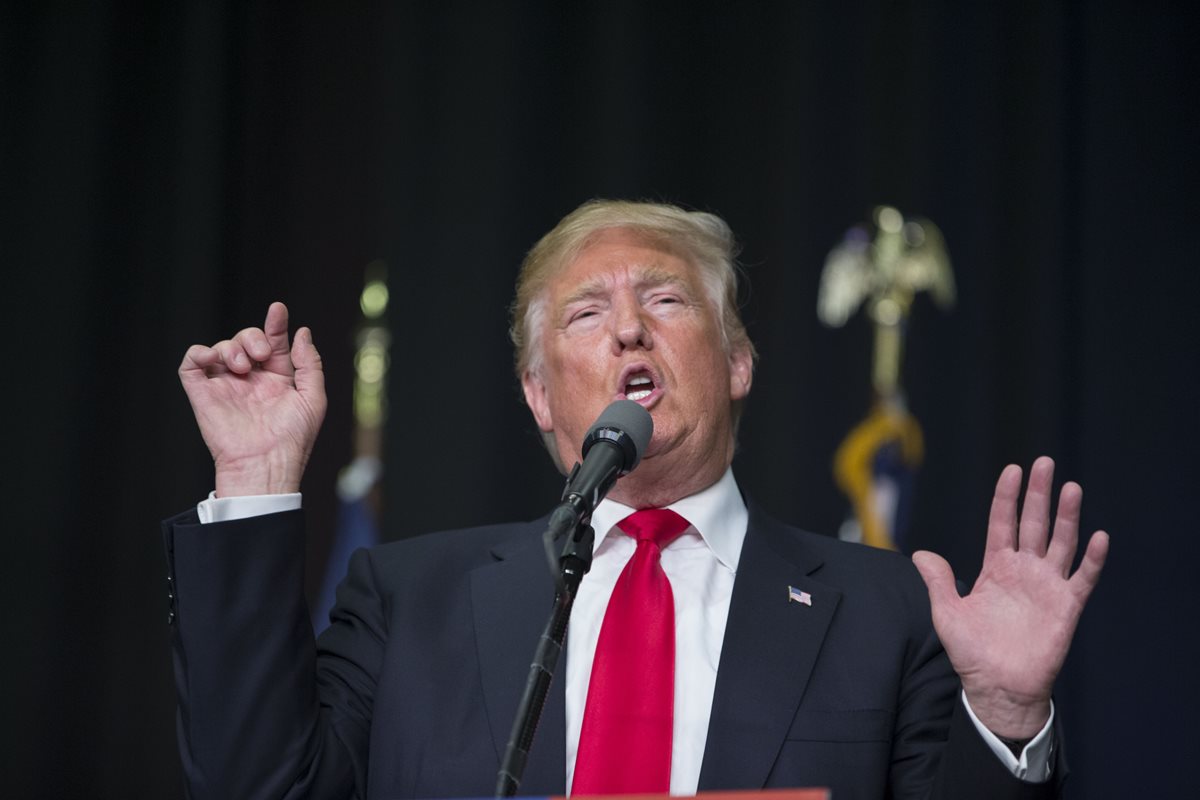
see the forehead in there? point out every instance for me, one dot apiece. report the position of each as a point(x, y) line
point(617, 256)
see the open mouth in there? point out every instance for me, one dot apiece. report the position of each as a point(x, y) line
point(639, 384)
point(639, 387)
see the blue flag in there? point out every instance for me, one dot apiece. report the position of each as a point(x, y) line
point(356, 527)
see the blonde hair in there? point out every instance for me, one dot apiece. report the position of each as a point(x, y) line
point(702, 239)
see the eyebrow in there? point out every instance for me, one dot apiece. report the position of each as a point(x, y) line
point(651, 276)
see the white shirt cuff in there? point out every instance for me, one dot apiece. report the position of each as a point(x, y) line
point(1034, 763)
point(226, 509)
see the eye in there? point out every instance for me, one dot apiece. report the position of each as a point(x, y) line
point(666, 300)
point(582, 315)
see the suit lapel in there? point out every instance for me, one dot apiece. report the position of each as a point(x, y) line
point(770, 647)
point(511, 601)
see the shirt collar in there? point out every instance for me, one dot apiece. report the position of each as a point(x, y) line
point(717, 513)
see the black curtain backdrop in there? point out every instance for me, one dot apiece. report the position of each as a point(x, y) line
point(167, 170)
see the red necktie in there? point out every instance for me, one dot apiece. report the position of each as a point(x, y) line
point(625, 741)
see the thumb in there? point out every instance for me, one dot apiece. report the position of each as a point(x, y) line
point(938, 577)
point(310, 374)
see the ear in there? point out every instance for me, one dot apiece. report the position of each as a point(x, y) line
point(741, 372)
point(536, 399)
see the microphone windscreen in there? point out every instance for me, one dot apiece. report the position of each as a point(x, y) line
point(623, 417)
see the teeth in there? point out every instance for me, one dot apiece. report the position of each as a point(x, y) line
point(639, 381)
point(638, 395)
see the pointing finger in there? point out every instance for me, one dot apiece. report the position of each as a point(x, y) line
point(276, 328)
point(275, 332)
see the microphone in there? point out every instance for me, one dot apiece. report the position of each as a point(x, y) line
point(613, 447)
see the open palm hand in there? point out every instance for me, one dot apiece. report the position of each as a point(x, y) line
point(1008, 637)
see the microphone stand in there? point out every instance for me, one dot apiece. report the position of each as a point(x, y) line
point(575, 561)
point(612, 448)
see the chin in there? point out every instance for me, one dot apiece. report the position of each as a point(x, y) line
point(660, 443)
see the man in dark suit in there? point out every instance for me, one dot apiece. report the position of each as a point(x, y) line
point(796, 660)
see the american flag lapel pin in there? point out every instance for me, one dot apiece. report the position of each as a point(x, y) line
point(803, 598)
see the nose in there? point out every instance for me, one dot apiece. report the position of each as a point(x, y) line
point(630, 328)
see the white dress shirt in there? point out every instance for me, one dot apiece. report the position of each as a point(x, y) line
point(701, 565)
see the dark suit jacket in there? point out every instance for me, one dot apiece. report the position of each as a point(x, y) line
point(412, 690)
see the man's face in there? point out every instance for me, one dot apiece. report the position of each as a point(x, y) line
point(628, 319)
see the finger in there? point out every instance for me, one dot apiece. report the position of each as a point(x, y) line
point(1066, 527)
point(254, 342)
point(310, 373)
point(233, 356)
point(276, 328)
point(197, 359)
point(1002, 521)
point(1035, 511)
point(938, 577)
point(199, 364)
point(1088, 574)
